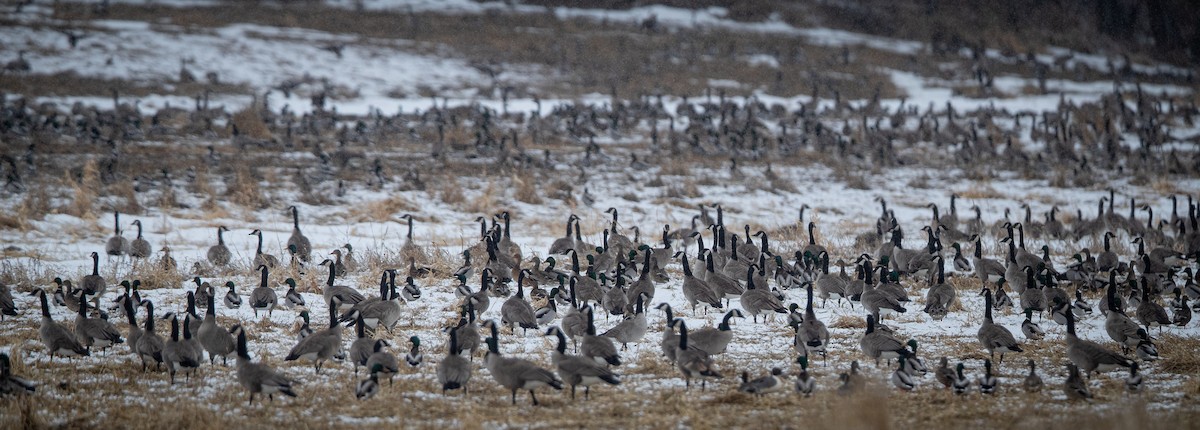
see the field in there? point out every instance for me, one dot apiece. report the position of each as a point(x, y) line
point(189, 115)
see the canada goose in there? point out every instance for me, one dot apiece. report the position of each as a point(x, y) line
point(986, 269)
point(832, 285)
point(1032, 382)
point(992, 336)
point(696, 290)
point(7, 306)
point(344, 295)
point(179, 355)
point(258, 377)
point(367, 388)
point(567, 242)
point(812, 333)
point(386, 361)
point(633, 327)
point(669, 339)
point(94, 331)
point(384, 292)
point(1030, 329)
point(615, 301)
point(1107, 260)
point(150, 344)
point(1088, 355)
point(263, 297)
point(944, 374)
point(877, 302)
point(771, 383)
point(216, 340)
point(117, 245)
point(645, 283)
point(219, 254)
point(140, 247)
point(724, 285)
point(733, 266)
point(812, 247)
point(261, 258)
point(467, 332)
point(292, 299)
point(1032, 298)
point(692, 361)
point(988, 383)
point(756, 300)
point(1120, 327)
point(960, 384)
point(940, 296)
point(321, 345)
point(383, 313)
point(94, 284)
point(578, 370)
point(596, 347)
point(714, 341)
point(454, 371)
point(411, 250)
point(55, 337)
point(297, 239)
point(10, 384)
point(805, 384)
point(516, 311)
point(1150, 313)
point(877, 344)
point(362, 346)
point(901, 378)
point(587, 288)
point(515, 373)
point(618, 242)
point(134, 331)
point(1075, 387)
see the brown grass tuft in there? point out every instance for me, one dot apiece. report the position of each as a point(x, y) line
point(250, 124)
point(526, 189)
point(244, 190)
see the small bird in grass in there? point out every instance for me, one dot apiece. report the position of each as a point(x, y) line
point(367, 388)
point(414, 355)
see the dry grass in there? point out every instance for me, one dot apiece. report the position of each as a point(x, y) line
point(250, 124)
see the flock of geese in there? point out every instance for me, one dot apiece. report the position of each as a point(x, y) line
point(620, 279)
